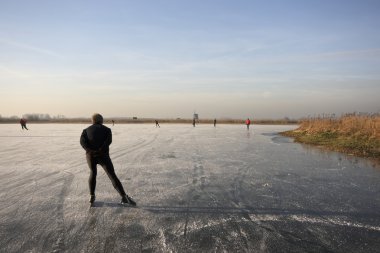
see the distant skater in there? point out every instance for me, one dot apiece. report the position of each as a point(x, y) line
point(157, 125)
point(193, 122)
point(96, 140)
point(248, 122)
point(214, 122)
point(113, 122)
point(23, 124)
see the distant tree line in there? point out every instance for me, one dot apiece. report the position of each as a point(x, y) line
point(36, 117)
point(33, 117)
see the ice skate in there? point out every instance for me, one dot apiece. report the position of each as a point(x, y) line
point(92, 199)
point(126, 200)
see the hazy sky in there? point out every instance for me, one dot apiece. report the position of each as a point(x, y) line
point(167, 58)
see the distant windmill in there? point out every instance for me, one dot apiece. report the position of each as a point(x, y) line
point(196, 116)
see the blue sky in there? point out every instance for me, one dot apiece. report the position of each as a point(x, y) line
point(236, 59)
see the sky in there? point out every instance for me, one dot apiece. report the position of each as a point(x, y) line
point(171, 58)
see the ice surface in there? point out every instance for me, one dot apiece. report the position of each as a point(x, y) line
point(201, 189)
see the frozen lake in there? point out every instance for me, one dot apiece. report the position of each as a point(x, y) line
point(201, 189)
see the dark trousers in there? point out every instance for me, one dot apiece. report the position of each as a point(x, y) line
point(106, 163)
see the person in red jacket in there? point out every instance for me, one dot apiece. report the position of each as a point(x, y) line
point(248, 122)
point(23, 124)
point(96, 140)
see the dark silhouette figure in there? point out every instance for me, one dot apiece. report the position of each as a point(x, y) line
point(157, 125)
point(113, 122)
point(214, 122)
point(96, 140)
point(248, 123)
point(193, 122)
point(23, 124)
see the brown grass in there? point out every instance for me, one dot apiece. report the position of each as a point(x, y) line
point(349, 125)
point(357, 134)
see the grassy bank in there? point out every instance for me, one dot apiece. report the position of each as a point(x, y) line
point(354, 134)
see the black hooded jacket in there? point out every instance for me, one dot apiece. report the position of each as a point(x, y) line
point(96, 139)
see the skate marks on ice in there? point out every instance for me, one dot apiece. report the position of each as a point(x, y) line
point(139, 144)
point(279, 215)
point(202, 191)
point(249, 229)
point(31, 216)
point(219, 209)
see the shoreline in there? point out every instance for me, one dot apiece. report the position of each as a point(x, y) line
point(360, 146)
point(354, 134)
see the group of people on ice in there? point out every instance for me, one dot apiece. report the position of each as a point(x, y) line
point(96, 140)
point(23, 123)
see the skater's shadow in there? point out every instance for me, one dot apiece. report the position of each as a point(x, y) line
point(98, 204)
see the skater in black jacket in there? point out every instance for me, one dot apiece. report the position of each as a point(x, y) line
point(23, 124)
point(96, 140)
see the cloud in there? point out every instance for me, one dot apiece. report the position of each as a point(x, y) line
point(31, 48)
point(11, 73)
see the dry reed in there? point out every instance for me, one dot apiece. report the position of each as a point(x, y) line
point(351, 133)
point(349, 125)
